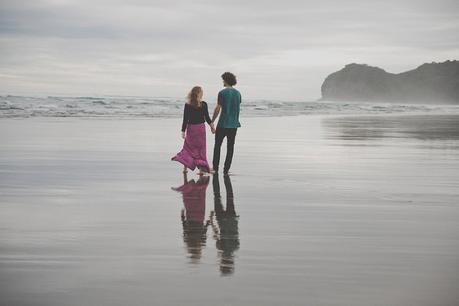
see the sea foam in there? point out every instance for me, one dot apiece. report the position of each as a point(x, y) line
point(110, 106)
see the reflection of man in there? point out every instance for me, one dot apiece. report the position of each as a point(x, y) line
point(226, 232)
point(194, 228)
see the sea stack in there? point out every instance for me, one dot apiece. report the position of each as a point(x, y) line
point(428, 83)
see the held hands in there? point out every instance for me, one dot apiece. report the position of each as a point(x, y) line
point(212, 128)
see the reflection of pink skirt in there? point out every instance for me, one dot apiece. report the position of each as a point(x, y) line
point(193, 153)
point(194, 198)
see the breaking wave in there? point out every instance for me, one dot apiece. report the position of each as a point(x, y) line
point(25, 107)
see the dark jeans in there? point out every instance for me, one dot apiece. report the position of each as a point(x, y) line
point(220, 134)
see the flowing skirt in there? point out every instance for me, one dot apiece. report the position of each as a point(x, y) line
point(193, 153)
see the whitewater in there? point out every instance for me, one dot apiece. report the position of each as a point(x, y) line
point(145, 107)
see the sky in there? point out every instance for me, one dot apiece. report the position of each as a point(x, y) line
point(280, 50)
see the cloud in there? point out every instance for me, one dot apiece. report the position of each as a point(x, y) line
point(279, 49)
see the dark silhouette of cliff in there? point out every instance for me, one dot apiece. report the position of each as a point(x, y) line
point(434, 82)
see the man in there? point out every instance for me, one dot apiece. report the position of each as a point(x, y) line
point(229, 100)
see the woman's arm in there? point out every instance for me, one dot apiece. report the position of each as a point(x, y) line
point(207, 117)
point(185, 120)
point(206, 113)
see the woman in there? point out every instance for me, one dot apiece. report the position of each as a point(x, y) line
point(193, 153)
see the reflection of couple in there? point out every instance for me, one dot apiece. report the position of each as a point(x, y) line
point(224, 222)
point(195, 113)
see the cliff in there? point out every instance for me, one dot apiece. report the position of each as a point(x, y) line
point(429, 83)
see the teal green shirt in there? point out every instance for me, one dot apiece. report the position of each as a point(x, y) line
point(230, 100)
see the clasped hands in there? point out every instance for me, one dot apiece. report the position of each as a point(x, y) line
point(212, 127)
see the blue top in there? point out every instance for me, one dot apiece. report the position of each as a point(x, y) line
point(230, 100)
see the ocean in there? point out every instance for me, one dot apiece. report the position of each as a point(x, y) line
point(165, 107)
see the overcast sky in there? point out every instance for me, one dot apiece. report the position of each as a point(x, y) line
point(279, 50)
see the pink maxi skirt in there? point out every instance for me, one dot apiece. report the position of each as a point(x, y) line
point(193, 153)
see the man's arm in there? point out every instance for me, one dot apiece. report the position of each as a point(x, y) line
point(216, 112)
point(218, 107)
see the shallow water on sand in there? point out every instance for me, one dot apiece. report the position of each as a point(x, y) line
point(351, 210)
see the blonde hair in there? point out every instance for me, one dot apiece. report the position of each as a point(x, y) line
point(193, 96)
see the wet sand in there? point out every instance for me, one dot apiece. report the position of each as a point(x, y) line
point(319, 211)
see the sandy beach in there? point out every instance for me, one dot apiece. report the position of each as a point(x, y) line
point(329, 210)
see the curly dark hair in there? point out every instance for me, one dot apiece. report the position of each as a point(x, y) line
point(229, 78)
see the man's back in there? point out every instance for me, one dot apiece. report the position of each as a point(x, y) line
point(229, 99)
